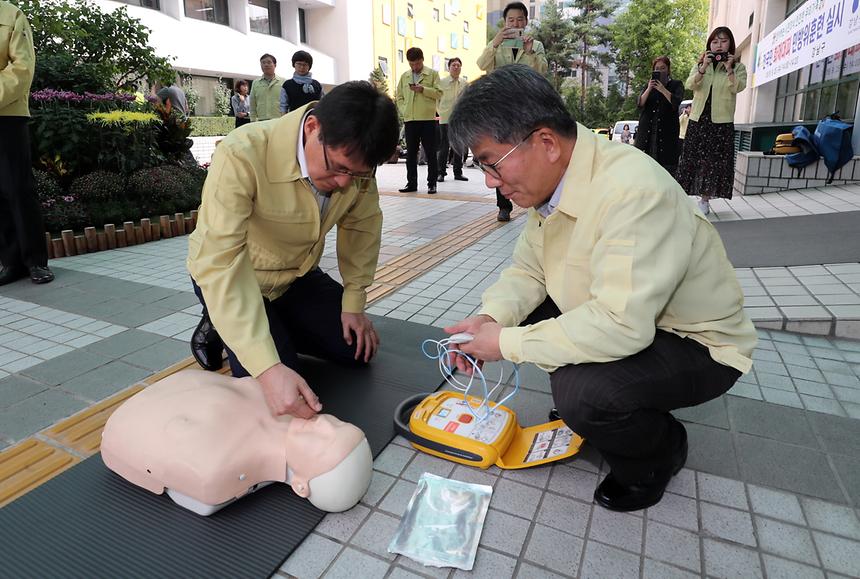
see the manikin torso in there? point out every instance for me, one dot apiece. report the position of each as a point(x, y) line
point(209, 439)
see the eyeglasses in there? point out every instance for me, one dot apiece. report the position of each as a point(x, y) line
point(354, 174)
point(493, 169)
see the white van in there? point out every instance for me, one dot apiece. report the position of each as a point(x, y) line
point(619, 126)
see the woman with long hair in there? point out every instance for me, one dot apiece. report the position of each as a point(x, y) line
point(658, 104)
point(707, 165)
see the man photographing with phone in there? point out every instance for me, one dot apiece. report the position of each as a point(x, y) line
point(512, 45)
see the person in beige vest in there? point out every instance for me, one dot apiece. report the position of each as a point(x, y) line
point(22, 231)
point(452, 87)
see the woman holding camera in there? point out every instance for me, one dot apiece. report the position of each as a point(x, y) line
point(658, 104)
point(707, 165)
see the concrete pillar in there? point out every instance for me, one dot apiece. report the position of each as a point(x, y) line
point(290, 21)
point(173, 8)
point(239, 15)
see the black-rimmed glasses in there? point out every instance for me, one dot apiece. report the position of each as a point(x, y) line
point(353, 174)
point(492, 169)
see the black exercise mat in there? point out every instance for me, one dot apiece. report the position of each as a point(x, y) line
point(790, 241)
point(88, 522)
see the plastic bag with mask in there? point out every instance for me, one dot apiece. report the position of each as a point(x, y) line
point(442, 524)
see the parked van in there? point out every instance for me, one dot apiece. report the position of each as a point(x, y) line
point(619, 126)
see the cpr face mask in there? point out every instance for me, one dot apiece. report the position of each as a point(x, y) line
point(442, 524)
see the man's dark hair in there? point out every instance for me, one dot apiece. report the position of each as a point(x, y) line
point(455, 59)
point(358, 118)
point(267, 55)
point(303, 56)
point(506, 105)
point(414, 54)
point(515, 6)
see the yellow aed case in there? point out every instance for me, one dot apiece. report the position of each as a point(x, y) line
point(443, 425)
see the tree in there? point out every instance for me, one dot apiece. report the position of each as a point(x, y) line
point(555, 32)
point(112, 48)
point(588, 33)
point(652, 28)
point(379, 80)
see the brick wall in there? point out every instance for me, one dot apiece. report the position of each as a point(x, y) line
point(756, 173)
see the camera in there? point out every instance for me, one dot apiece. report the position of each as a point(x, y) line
point(518, 32)
point(656, 75)
point(719, 56)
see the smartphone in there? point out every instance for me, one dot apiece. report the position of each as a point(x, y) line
point(656, 75)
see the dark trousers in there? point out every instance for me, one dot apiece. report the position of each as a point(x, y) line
point(622, 407)
point(305, 320)
point(22, 231)
point(420, 133)
point(503, 203)
point(242, 121)
point(444, 149)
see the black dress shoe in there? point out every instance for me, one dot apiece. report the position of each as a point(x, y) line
point(12, 273)
point(554, 415)
point(408, 189)
point(41, 274)
point(206, 345)
point(504, 215)
point(431, 190)
point(615, 496)
point(441, 179)
point(460, 178)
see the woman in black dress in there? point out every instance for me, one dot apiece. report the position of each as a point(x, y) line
point(707, 166)
point(658, 104)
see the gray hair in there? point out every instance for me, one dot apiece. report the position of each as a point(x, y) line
point(506, 105)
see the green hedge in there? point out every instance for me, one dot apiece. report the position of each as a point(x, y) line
point(211, 126)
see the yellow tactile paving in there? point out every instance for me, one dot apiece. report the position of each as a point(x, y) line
point(83, 431)
point(489, 198)
point(27, 465)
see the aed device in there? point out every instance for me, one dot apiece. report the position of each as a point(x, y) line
point(442, 424)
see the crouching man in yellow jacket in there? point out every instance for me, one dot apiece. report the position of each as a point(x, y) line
point(274, 189)
point(618, 287)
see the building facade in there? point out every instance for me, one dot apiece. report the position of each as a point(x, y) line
point(442, 30)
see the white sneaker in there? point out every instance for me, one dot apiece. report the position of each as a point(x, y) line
point(704, 207)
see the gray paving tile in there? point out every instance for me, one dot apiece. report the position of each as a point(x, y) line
point(536, 476)
point(711, 413)
point(507, 533)
point(341, 526)
point(838, 554)
point(675, 510)
point(424, 570)
point(379, 485)
point(727, 561)
point(803, 372)
point(840, 379)
point(37, 412)
point(14, 389)
point(474, 475)
point(786, 540)
point(105, 380)
point(134, 314)
point(400, 573)
point(819, 389)
point(515, 498)
point(489, 565)
point(672, 545)
point(392, 460)
point(782, 569)
point(794, 468)
point(728, 524)
point(839, 435)
point(528, 571)
point(397, 499)
point(781, 397)
point(771, 421)
point(555, 550)
point(603, 561)
point(160, 355)
point(711, 450)
point(617, 529)
point(66, 367)
point(683, 483)
point(774, 380)
point(776, 504)
point(426, 463)
point(722, 491)
point(657, 570)
point(573, 482)
point(564, 514)
point(376, 534)
point(124, 343)
point(848, 469)
point(178, 301)
point(311, 557)
point(835, 519)
point(351, 564)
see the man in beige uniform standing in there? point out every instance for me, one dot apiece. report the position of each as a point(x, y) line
point(513, 46)
point(618, 287)
point(452, 87)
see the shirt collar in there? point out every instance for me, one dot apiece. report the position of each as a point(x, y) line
point(300, 150)
point(547, 208)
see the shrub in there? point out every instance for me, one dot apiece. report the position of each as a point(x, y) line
point(59, 209)
point(164, 190)
point(98, 187)
point(211, 126)
point(127, 140)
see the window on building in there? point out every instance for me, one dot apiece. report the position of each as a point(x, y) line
point(145, 3)
point(819, 89)
point(208, 10)
point(265, 16)
point(303, 29)
point(793, 5)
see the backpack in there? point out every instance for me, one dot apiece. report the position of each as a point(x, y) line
point(784, 145)
point(833, 139)
point(808, 152)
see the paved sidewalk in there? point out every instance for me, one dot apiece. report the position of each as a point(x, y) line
point(771, 488)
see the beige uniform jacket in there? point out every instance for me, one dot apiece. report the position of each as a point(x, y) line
point(624, 254)
point(17, 61)
point(492, 58)
point(451, 91)
point(259, 229)
point(418, 106)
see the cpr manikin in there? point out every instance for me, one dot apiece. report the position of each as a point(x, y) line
point(208, 439)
